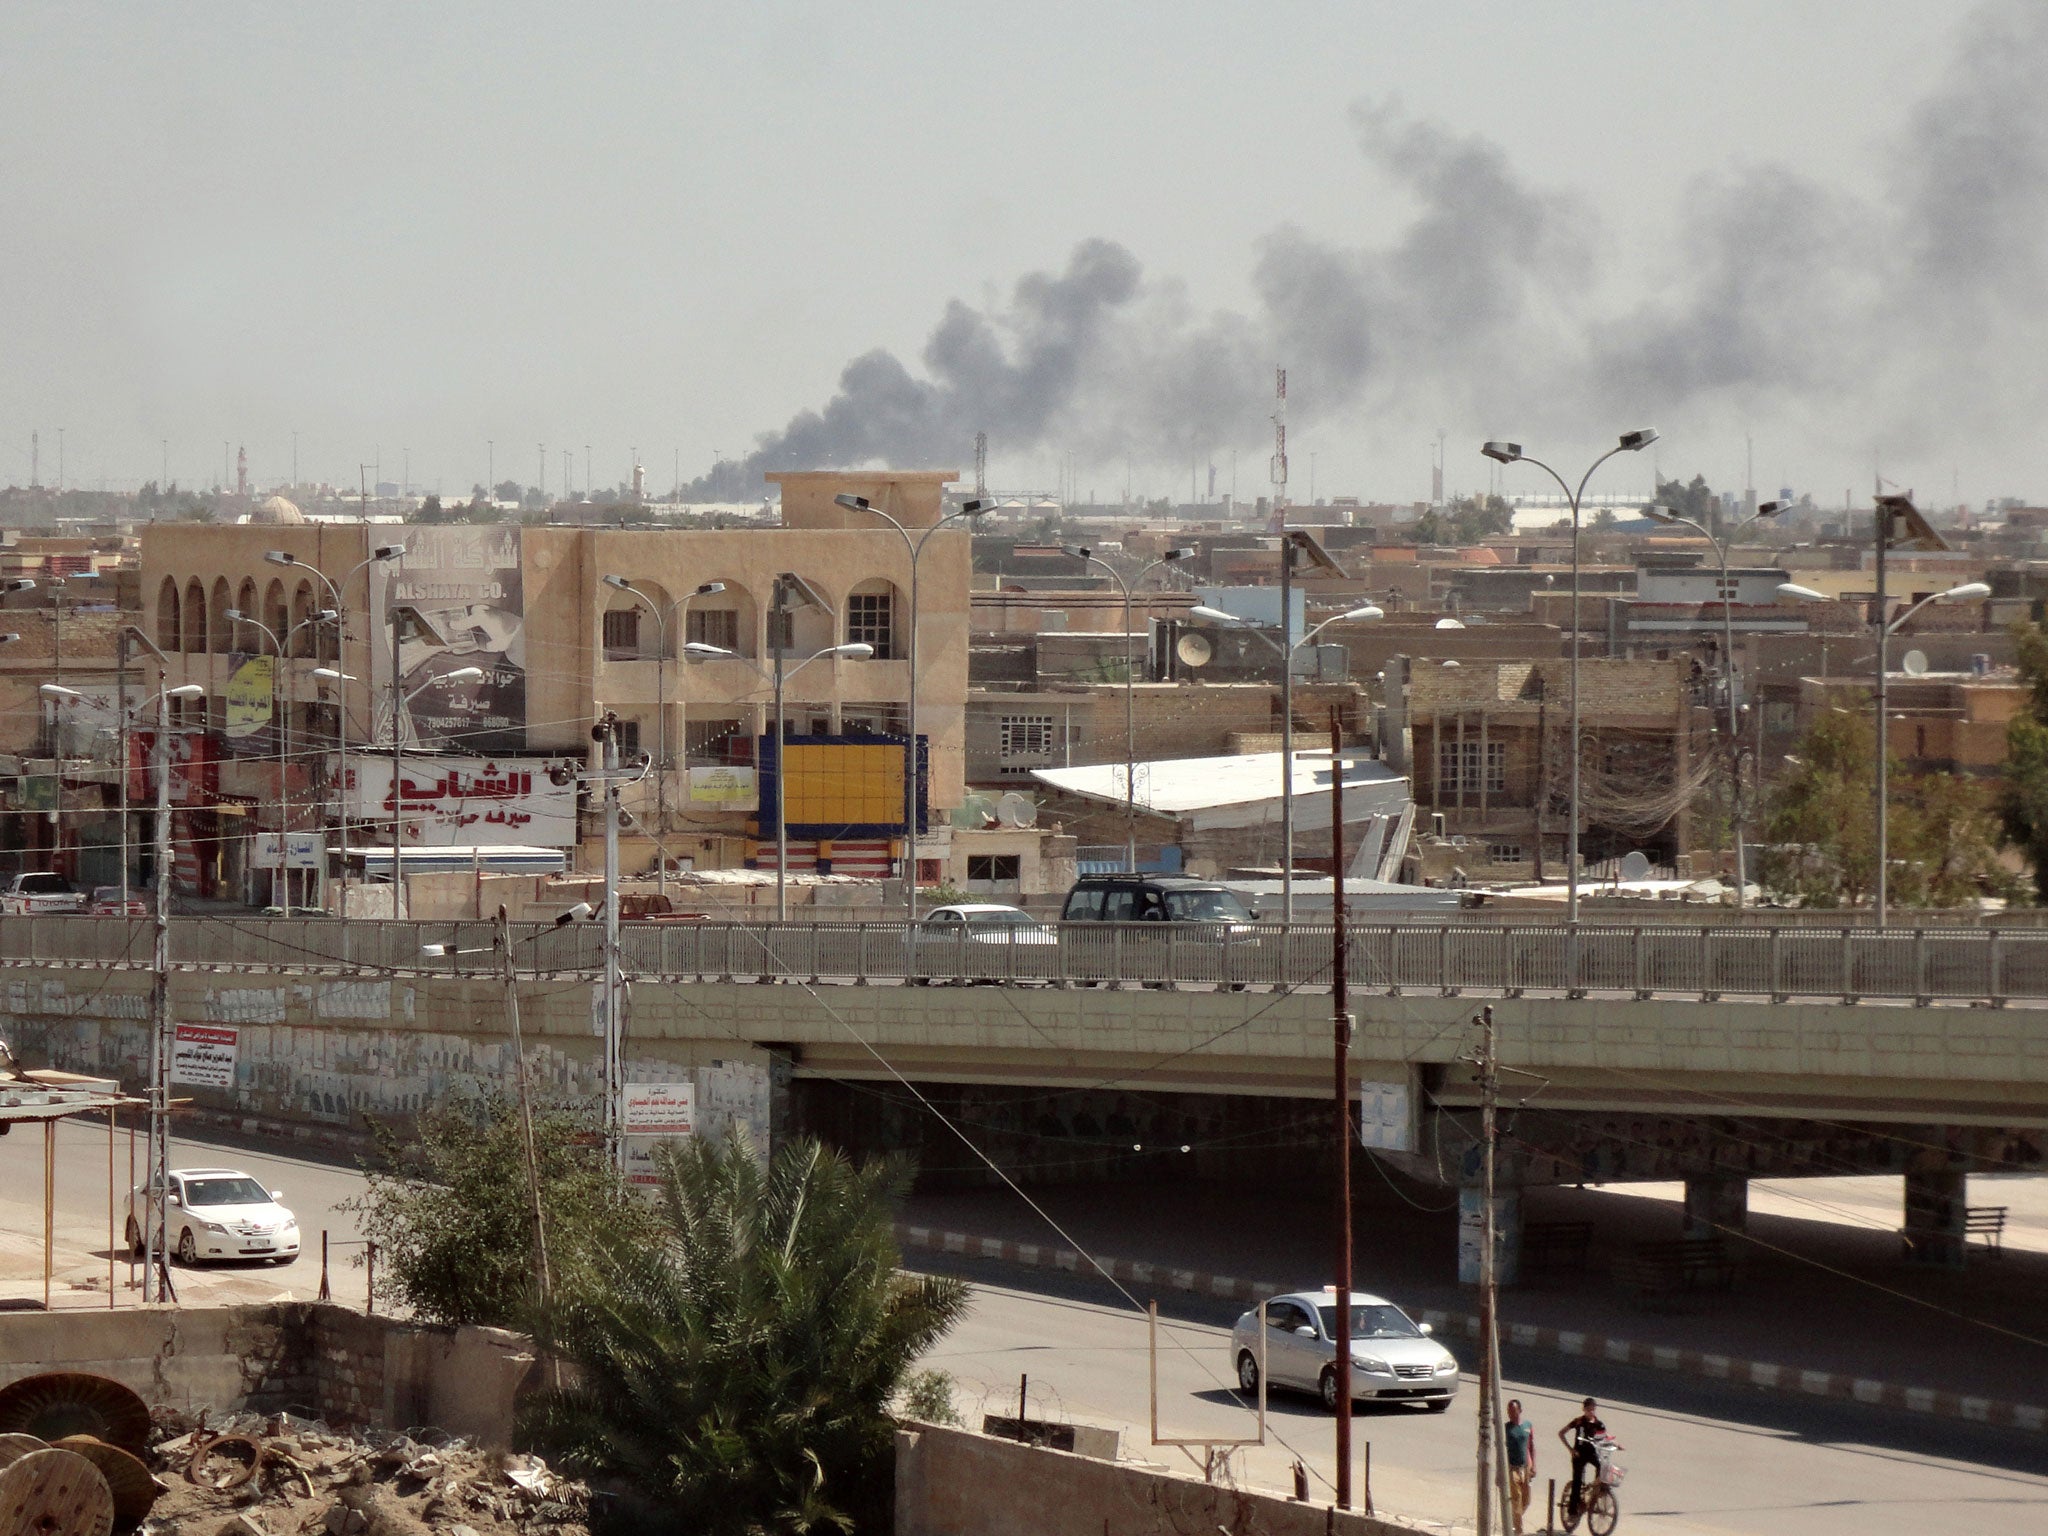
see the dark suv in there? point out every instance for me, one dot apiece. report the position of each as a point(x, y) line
point(1151, 898)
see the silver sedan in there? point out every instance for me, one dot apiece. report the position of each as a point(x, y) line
point(1393, 1357)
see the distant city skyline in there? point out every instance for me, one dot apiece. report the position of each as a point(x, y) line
point(412, 233)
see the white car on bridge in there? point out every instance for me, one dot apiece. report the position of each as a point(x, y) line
point(219, 1213)
point(1393, 1357)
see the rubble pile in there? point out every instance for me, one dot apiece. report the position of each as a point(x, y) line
point(281, 1475)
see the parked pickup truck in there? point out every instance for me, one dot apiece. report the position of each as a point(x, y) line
point(39, 891)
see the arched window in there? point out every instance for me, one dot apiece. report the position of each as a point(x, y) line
point(195, 617)
point(303, 608)
point(871, 613)
point(167, 626)
point(725, 619)
point(245, 604)
point(220, 633)
point(274, 612)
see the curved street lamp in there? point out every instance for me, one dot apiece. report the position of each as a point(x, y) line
point(1669, 518)
point(968, 509)
point(1511, 453)
point(1969, 591)
point(857, 650)
point(1088, 556)
point(1363, 612)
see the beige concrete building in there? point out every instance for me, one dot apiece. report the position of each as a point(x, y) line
point(529, 609)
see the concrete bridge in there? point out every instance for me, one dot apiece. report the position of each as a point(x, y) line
point(1709, 1055)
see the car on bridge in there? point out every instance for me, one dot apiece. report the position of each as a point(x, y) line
point(954, 940)
point(218, 1213)
point(38, 891)
point(1135, 898)
point(1393, 1357)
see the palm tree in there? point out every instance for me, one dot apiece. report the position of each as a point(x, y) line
point(737, 1372)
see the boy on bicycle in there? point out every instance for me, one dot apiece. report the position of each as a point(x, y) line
point(1580, 1437)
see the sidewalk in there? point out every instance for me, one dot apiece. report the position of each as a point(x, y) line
point(1823, 1307)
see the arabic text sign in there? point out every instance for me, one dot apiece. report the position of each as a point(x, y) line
point(203, 1055)
point(732, 788)
point(303, 850)
point(660, 1109)
point(458, 802)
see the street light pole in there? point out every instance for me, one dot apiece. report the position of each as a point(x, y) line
point(915, 546)
point(1969, 591)
point(1510, 453)
point(1130, 686)
point(1720, 548)
point(661, 758)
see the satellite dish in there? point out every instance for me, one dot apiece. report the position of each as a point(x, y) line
point(1914, 663)
point(1015, 810)
point(1635, 866)
point(1449, 624)
point(1194, 650)
point(1451, 663)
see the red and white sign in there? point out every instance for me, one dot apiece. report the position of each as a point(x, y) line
point(660, 1109)
point(203, 1055)
point(461, 802)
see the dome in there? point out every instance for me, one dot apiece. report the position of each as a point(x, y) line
point(277, 510)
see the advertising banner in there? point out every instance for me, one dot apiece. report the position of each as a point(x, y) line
point(458, 597)
point(730, 789)
point(195, 776)
point(203, 1055)
point(660, 1109)
point(463, 801)
point(251, 692)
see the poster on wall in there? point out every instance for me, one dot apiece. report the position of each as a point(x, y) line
point(731, 789)
point(203, 1055)
point(461, 802)
point(250, 692)
point(459, 596)
point(651, 1114)
point(1384, 1118)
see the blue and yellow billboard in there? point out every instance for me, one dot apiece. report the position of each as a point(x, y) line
point(841, 786)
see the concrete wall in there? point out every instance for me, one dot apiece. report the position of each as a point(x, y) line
point(319, 1361)
point(951, 1482)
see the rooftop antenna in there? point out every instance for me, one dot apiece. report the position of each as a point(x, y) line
point(242, 470)
point(35, 461)
point(981, 466)
point(1279, 445)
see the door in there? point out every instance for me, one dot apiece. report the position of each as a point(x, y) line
point(1291, 1359)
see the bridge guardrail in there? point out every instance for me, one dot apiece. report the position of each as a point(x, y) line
point(1774, 961)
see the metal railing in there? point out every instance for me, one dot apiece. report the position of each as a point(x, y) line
point(1652, 960)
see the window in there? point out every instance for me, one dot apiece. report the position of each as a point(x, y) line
point(995, 866)
point(1727, 590)
point(1459, 767)
point(622, 634)
point(782, 631)
point(1024, 736)
point(881, 719)
point(1504, 853)
point(629, 740)
point(868, 619)
point(714, 626)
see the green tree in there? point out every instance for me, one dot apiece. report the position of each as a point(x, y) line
point(738, 1372)
point(449, 1209)
point(2024, 804)
point(1696, 500)
point(1942, 831)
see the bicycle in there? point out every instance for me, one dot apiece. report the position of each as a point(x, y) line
point(1597, 1505)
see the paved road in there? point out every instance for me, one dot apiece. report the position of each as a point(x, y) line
point(1702, 1460)
point(311, 1189)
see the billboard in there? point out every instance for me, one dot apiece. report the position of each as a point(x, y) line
point(463, 801)
point(459, 598)
point(730, 789)
point(203, 1055)
point(251, 689)
point(840, 786)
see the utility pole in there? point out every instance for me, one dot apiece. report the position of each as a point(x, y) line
point(157, 1181)
point(614, 1034)
point(509, 974)
point(1340, 1056)
point(1492, 1464)
point(391, 592)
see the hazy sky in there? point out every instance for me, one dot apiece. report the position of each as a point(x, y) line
point(399, 228)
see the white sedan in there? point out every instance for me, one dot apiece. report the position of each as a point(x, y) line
point(219, 1213)
point(954, 941)
point(1393, 1357)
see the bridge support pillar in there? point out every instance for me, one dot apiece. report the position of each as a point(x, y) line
point(1716, 1205)
point(1936, 1205)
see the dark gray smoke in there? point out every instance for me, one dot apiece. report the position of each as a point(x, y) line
point(1902, 322)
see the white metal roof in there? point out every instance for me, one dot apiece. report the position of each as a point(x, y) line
point(1178, 785)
